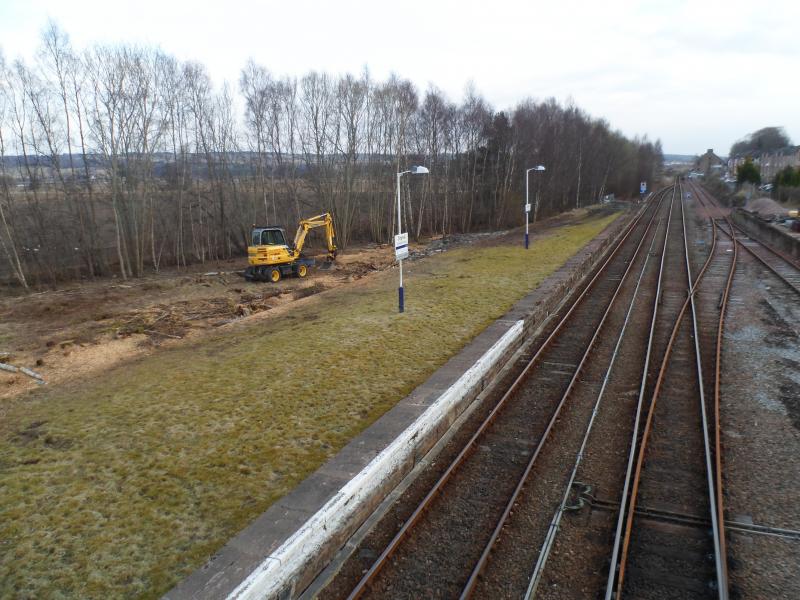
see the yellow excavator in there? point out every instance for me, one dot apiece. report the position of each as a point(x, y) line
point(271, 258)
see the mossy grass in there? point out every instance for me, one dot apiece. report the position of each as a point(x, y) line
point(122, 485)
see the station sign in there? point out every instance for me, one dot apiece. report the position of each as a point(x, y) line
point(643, 187)
point(401, 246)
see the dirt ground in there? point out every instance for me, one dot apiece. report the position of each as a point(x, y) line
point(83, 329)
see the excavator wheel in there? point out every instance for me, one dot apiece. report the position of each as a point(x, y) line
point(274, 274)
point(302, 271)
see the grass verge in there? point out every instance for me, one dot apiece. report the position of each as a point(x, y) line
point(120, 486)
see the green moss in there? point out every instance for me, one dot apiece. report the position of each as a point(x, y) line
point(135, 478)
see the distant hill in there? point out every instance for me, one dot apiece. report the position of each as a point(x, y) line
point(679, 158)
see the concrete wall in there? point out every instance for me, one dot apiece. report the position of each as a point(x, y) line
point(769, 234)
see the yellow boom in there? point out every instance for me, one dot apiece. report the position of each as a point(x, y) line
point(324, 220)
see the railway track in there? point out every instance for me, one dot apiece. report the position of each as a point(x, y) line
point(719, 277)
point(641, 345)
point(779, 264)
point(470, 503)
point(760, 567)
point(664, 550)
point(782, 266)
point(536, 493)
point(577, 493)
point(653, 559)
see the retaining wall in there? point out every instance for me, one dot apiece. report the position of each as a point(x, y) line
point(780, 240)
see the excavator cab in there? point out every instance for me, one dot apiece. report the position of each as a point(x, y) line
point(268, 236)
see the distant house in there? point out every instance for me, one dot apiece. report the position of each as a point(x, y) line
point(773, 163)
point(708, 162)
point(769, 164)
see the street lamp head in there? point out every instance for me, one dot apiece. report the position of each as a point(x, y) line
point(419, 170)
point(540, 168)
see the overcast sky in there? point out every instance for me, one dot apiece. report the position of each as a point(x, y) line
point(696, 75)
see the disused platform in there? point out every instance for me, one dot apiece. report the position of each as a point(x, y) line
point(298, 535)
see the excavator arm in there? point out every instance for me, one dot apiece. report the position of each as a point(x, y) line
point(324, 220)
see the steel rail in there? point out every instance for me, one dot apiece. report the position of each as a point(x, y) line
point(717, 410)
point(370, 575)
point(617, 571)
point(760, 259)
point(469, 588)
point(731, 234)
point(717, 376)
point(639, 405)
point(718, 380)
point(547, 545)
point(722, 583)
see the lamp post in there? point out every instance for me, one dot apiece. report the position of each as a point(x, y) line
point(527, 201)
point(401, 240)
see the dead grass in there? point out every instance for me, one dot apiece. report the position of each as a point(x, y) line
point(124, 484)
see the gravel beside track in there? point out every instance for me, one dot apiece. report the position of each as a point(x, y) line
point(760, 424)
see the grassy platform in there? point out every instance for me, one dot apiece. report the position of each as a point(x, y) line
point(122, 485)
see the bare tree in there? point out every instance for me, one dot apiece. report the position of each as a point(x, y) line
point(8, 241)
point(124, 158)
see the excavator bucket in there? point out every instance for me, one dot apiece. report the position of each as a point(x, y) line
point(326, 266)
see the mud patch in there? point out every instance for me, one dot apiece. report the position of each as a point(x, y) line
point(305, 292)
point(36, 432)
point(29, 434)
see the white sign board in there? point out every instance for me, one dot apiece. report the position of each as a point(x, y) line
point(643, 187)
point(401, 246)
point(527, 208)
